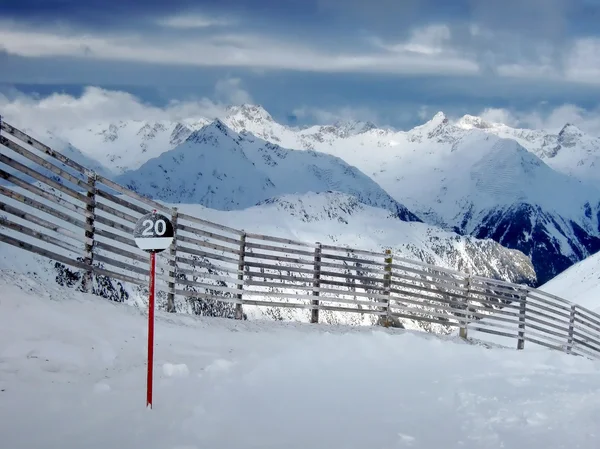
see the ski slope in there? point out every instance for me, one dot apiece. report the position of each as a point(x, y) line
point(580, 283)
point(72, 375)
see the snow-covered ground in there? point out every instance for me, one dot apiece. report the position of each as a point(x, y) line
point(580, 283)
point(72, 375)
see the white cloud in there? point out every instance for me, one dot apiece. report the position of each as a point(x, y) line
point(230, 92)
point(427, 40)
point(99, 105)
point(345, 113)
point(552, 120)
point(225, 50)
point(191, 21)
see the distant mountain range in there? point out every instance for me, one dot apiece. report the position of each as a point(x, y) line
point(530, 190)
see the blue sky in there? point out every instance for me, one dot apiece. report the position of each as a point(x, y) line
point(532, 62)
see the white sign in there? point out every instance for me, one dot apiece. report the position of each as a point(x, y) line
point(153, 232)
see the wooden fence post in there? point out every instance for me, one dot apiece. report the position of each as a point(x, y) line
point(463, 332)
point(522, 313)
point(239, 309)
point(571, 329)
point(173, 263)
point(90, 214)
point(387, 285)
point(314, 315)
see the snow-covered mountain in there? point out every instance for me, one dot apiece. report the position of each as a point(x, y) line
point(463, 177)
point(526, 189)
point(221, 169)
point(569, 151)
point(126, 145)
point(580, 283)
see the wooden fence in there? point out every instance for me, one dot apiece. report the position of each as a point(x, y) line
point(56, 208)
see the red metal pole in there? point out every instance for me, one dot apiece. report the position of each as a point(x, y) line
point(151, 330)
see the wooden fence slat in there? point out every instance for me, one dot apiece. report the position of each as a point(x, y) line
point(127, 192)
point(20, 135)
point(41, 193)
point(204, 233)
point(124, 203)
point(280, 249)
point(41, 178)
point(42, 162)
point(117, 213)
point(204, 244)
point(268, 238)
point(113, 224)
point(38, 235)
point(43, 223)
point(210, 224)
point(36, 205)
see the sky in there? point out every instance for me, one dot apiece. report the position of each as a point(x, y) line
point(533, 63)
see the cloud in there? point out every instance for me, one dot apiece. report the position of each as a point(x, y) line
point(549, 119)
point(224, 50)
point(323, 116)
point(428, 40)
point(101, 105)
point(191, 21)
point(229, 91)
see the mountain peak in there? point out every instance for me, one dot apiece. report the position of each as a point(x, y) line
point(571, 130)
point(252, 112)
point(471, 121)
point(439, 118)
point(213, 132)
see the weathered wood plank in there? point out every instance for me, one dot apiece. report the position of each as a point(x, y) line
point(290, 260)
point(120, 264)
point(448, 281)
point(427, 289)
point(209, 245)
point(345, 267)
point(310, 288)
point(42, 193)
point(204, 233)
point(130, 193)
point(280, 249)
point(41, 207)
point(113, 224)
point(121, 202)
point(584, 313)
point(121, 252)
point(424, 319)
point(115, 237)
point(41, 147)
point(210, 224)
point(116, 213)
point(43, 162)
point(80, 238)
point(42, 252)
point(180, 270)
point(354, 260)
point(41, 178)
point(477, 328)
point(268, 238)
point(197, 252)
point(40, 236)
